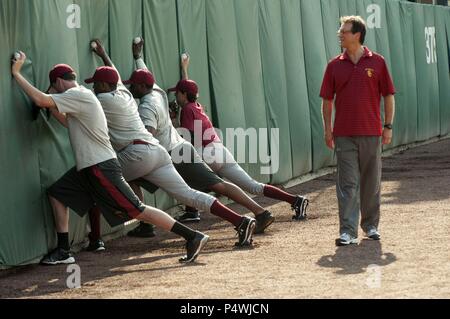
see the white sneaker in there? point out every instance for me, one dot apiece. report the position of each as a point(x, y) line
point(373, 234)
point(346, 239)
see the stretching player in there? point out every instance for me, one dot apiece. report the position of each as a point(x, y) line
point(97, 179)
point(154, 112)
point(139, 153)
point(215, 154)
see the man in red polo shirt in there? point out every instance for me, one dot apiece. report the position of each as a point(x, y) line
point(355, 81)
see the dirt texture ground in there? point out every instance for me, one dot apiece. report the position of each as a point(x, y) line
point(293, 259)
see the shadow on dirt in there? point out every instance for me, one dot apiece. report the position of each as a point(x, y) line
point(355, 259)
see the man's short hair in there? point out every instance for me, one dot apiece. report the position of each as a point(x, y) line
point(59, 71)
point(192, 98)
point(70, 76)
point(358, 25)
point(148, 86)
point(112, 86)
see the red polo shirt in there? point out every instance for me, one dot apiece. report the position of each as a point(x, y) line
point(358, 89)
point(192, 112)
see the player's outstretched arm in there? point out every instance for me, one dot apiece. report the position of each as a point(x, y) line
point(136, 48)
point(39, 98)
point(99, 49)
point(185, 59)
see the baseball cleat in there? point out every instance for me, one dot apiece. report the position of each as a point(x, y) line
point(263, 221)
point(245, 231)
point(96, 246)
point(189, 217)
point(300, 205)
point(144, 230)
point(58, 256)
point(194, 246)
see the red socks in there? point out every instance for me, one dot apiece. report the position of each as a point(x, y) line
point(276, 193)
point(218, 209)
point(94, 218)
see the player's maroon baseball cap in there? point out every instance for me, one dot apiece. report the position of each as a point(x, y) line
point(141, 76)
point(59, 71)
point(104, 74)
point(187, 86)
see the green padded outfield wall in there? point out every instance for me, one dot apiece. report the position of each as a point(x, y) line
point(427, 76)
point(442, 51)
point(259, 64)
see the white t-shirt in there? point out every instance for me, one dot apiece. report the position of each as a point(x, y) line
point(154, 112)
point(88, 131)
point(124, 122)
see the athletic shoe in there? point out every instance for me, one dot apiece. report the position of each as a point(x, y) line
point(245, 231)
point(300, 205)
point(143, 231)
point(194, 246)
point(58, 256)
point(346, 239)
point(96, 245)
point(263, 221)
point(373, 233)
point(189, 217)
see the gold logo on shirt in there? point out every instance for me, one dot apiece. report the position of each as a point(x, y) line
point(370, 72)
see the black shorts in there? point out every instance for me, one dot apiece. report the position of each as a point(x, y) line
point(99, 185)
point(195, 172)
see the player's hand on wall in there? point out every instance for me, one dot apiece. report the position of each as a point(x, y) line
point(97, 47)
point(17, 62)
point(185, 59)
point(136, 46)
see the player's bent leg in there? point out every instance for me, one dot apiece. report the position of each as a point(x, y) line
point(168, 179)
point(156, 217)
point(61, 215)
point(238, 195)
point(143, 230)
point(236, 174)
point(195, 241)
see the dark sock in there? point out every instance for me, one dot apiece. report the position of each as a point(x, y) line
point(94, 219)
point(183, 231)
point(63, 241)
point(276, 193)
point(190, 209)
point(218, 209)
point(146, 227)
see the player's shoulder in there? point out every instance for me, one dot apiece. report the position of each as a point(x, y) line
point(189, 107)
point(149, 102)
point(377, 56)
point(336, 58)
point(80, 92)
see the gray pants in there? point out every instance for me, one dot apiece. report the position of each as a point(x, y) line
point(358, 182)
point(153, 163)
point(221, 161)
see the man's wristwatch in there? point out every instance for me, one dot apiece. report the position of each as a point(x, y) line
point(388, 126)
